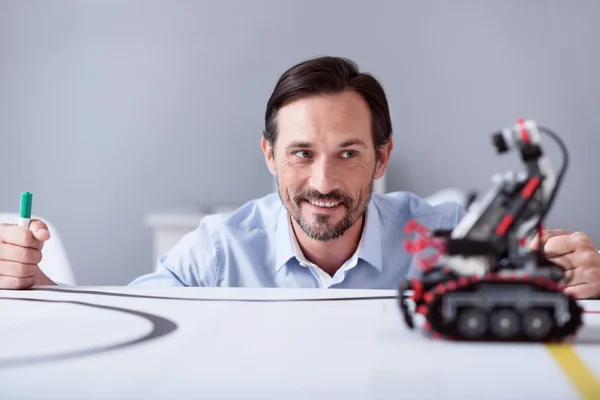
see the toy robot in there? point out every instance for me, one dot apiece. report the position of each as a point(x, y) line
point(483, 281)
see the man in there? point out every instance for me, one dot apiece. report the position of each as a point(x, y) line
point(327, 137)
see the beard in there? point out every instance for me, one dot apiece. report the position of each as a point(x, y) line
point(323, 227)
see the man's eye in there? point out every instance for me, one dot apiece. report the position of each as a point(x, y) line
point(349, 154)
point(303, 154)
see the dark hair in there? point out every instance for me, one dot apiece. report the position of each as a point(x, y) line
point(330, 75)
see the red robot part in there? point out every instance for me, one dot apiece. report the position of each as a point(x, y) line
point(422, 243)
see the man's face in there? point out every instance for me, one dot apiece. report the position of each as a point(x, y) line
point(325, 162)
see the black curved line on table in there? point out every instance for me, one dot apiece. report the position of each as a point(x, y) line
point(143, 296)
point(160, 327)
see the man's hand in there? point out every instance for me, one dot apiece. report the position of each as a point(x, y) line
point(20, 254)
point(578, 255)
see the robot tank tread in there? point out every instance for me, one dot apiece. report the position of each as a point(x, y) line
point(493, 307)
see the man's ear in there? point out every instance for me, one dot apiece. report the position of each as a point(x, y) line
point(269, 155)
point(385, 152)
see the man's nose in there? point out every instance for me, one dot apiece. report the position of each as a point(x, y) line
point(323, 177)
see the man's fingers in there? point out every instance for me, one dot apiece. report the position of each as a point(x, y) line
point(36, 224)
point(546, 234)
point(589, 274)
point(569, 276)
point(565, 244)
point(23, 255)
point(578, 255)
point(583, 291)
point(40, 230)
point(580, 258)
point(566, 261)
point(584, 281)
point(17, 270)
point(19, 236)
point(556, 246)
point(33, 237)
point(12, 283)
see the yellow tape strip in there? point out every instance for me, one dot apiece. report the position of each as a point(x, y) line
point(581, 377)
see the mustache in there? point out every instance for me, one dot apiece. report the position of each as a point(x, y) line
point(315, 195)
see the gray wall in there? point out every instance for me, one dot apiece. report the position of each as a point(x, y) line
point(112, 109)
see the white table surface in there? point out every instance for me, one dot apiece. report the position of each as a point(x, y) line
point(71, 346)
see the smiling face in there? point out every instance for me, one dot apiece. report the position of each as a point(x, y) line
point(325, 162)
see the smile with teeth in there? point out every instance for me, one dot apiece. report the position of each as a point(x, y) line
point(326, 204)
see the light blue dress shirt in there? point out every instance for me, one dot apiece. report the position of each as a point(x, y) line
point(255, 247)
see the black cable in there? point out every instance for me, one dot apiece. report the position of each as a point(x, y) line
point(559, 178)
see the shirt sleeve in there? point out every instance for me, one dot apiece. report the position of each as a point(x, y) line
point(162, 276)
point(459, 213)
point(453, 213)
point(193, 261)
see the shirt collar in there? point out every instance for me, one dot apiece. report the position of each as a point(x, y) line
point(369, 247)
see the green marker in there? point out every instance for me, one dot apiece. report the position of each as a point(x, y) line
point(25, 209)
